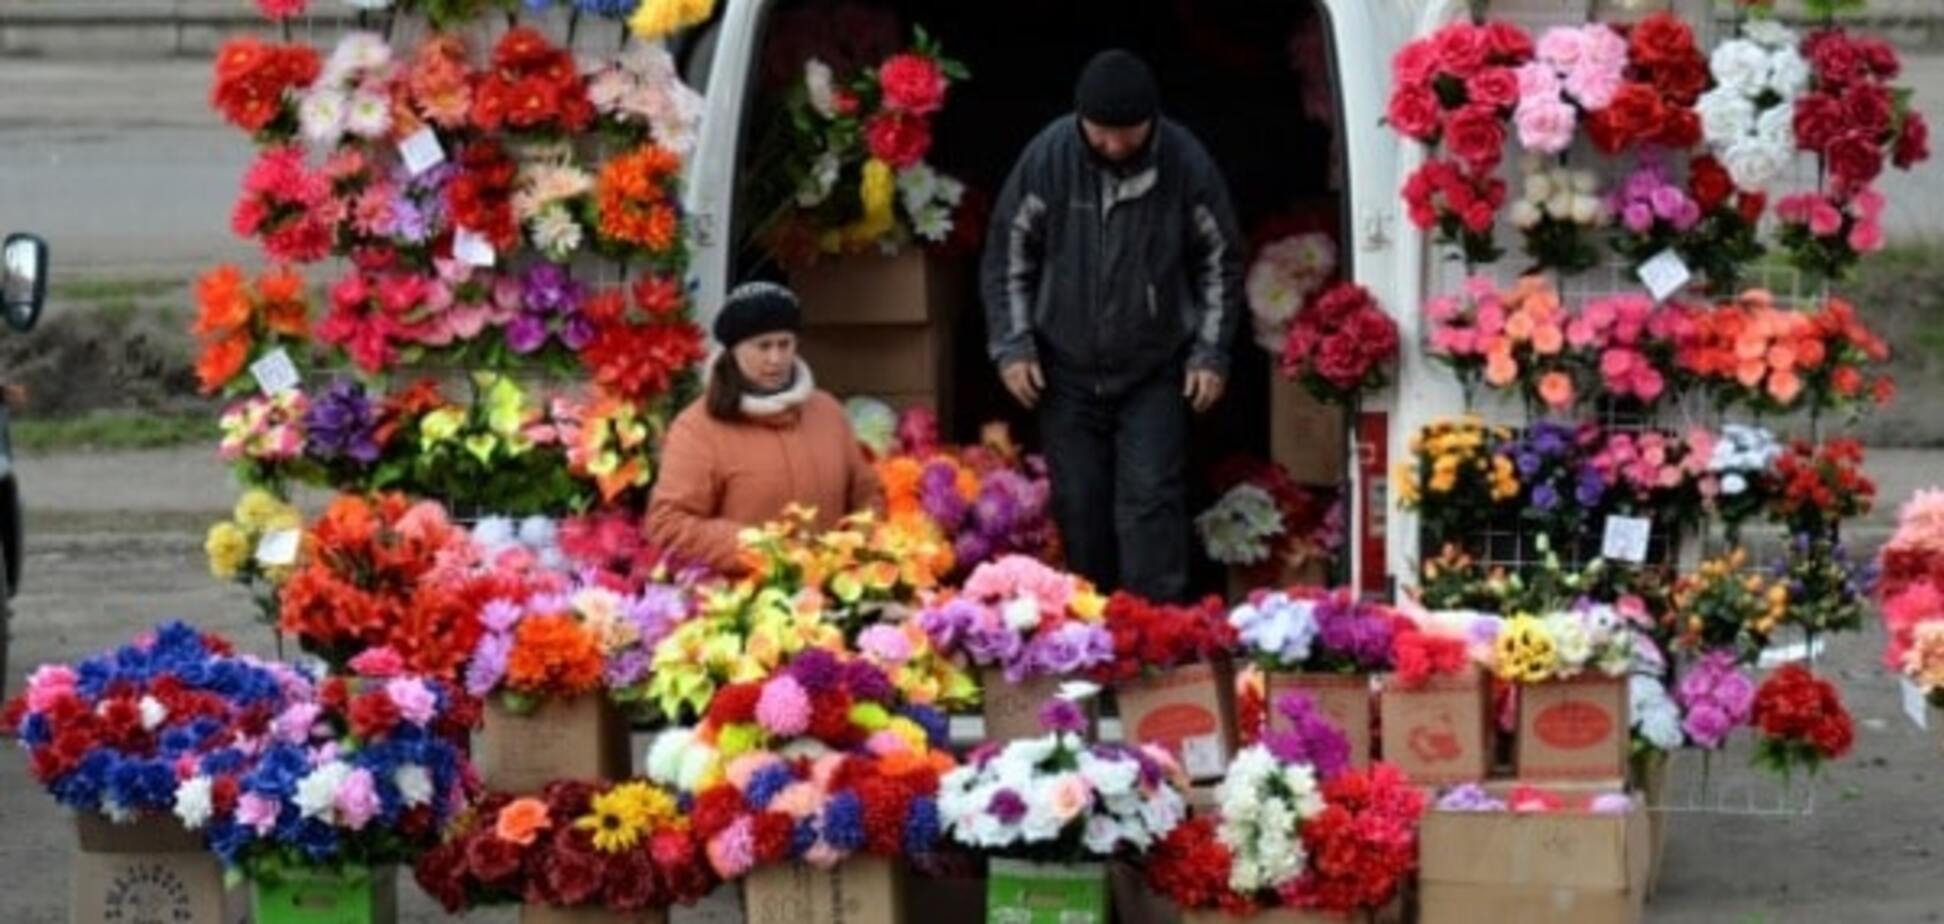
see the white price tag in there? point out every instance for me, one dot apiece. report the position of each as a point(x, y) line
point(472, 248)
point(1626, 538)
point(275, 373)
point(1665, 274)
point(1772, 658)
point(421, 151)
point(1201, 756)
point(279, 548)
point(1916, 706)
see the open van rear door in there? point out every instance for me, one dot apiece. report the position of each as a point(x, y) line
point(711, 183)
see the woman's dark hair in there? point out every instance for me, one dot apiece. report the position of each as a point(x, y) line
point(727, 386)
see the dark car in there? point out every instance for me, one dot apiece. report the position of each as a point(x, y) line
point(23, 292)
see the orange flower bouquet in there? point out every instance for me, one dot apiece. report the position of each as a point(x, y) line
point(1774, 359)
point(636, 198)
point(236, 322)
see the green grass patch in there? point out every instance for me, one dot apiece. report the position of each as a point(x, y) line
point(111, 430)
point(97, 289)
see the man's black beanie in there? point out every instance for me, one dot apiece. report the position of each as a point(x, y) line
point(1117, 89)
point(754, 309)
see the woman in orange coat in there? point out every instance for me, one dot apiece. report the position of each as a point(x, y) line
point(760, 440)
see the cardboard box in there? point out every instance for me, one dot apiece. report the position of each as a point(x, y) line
point(861, 890)
point(584, 738)
point(910, 288)
point(544, 914)
point(1574, 729)
point(1018, 892)
point(1133, 902)
point(1344, 698)
point(1188, 710)
point(1305, 435)
point(1439, 733)
point(1650, 779)
point(1533, 868)
point(175, 888)
point(1012, 709)
point(359, 896)
point(854, 360)
point(94, 833)
point(1389, 913)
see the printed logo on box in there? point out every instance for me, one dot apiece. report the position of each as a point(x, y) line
point(1173, 724)
point(1573, 725)
point(148, 893)
point(1436, 742)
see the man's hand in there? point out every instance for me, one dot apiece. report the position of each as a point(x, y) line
point(1024, 379)
point(1203, 389)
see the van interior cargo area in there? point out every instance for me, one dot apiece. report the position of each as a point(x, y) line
point(1251, 79)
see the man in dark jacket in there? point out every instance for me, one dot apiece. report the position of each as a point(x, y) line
point(1112, 289)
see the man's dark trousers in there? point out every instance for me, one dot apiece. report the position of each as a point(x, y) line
point(1116, 462)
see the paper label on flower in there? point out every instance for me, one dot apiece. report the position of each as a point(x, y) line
point(1776, 656)
point(1914, 704)
point(278, 549)
point(421, 151)
point(1201, 755)
point(275, 373)
point(1625, 539)
point(472, 248)
point(1665, 274)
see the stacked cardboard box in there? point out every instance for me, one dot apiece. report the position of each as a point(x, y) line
point(153, 869)
point(585, 738)
point(881, 327)
point(1526, 868)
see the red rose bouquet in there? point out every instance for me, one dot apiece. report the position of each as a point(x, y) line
point(1457, 88)
point(853, 147)
point(1462, 206)
point(1725, 241)
point(1801, 720)
point(1151, 636)
point(1666, 74)
point(257, 84)
point(1852, 118)
point(624, 847)
point(533, 86)
point(1818, 487)
point(1341, 345)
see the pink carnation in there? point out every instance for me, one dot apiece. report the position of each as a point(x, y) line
point(257, 813)
point(784, 708)
point(357, 799)
point(733, 851)
point(295, 724)
point(49, 684)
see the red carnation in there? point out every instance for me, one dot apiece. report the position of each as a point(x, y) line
point(912, 83)
point(716, 809)
point(898, 139)
point(772, 834)
point(373, 714)
point(490, 859)
point(735, 704)
point(830, 722)
point(572, 872)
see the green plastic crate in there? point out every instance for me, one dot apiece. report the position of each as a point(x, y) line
point(354, 896)
point(1045, 893)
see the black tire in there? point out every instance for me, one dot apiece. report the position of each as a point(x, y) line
point(6, 623)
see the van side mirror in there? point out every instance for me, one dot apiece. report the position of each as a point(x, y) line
point(23, 281)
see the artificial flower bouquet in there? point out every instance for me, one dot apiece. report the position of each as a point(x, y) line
point(1285, 836)
point(1741, 465)
point(1513, 339)
point(1324, 646)
point(1151, 638)
point(988, 500)
point(1589, 638)
point(1801, 722)
point(238, 552)
point(854, 573)
point(738, 633)
point(1057, 798)
point(624, 847)
point(1654, 103)
point(1818, 486)
point(1748, 117)
point(1456, 91)
point(1266, 525)
point(354, 775)
point(564, 638)
point(1557, 210)
point(1575, 71)
point(1655, 213)
point(365, 581)
point(1285, 274)
point(108, 735)
point(1826, 586)
point(853, 148)
point(1341, 346)
point(1727, 605)
point(1456, 479)
point(238, 323)
point(1911, 594)
point(1022, 620)
point(1722, 246)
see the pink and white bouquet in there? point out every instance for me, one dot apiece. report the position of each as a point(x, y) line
point(1025, 618)
point(1748, 117)
point(353, 94)
point(1574, 69)
point(643, 94)
point(1286, 273)
point(1059, 798)
point(550, 194)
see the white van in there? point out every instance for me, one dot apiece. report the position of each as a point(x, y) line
point(1287, 94)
